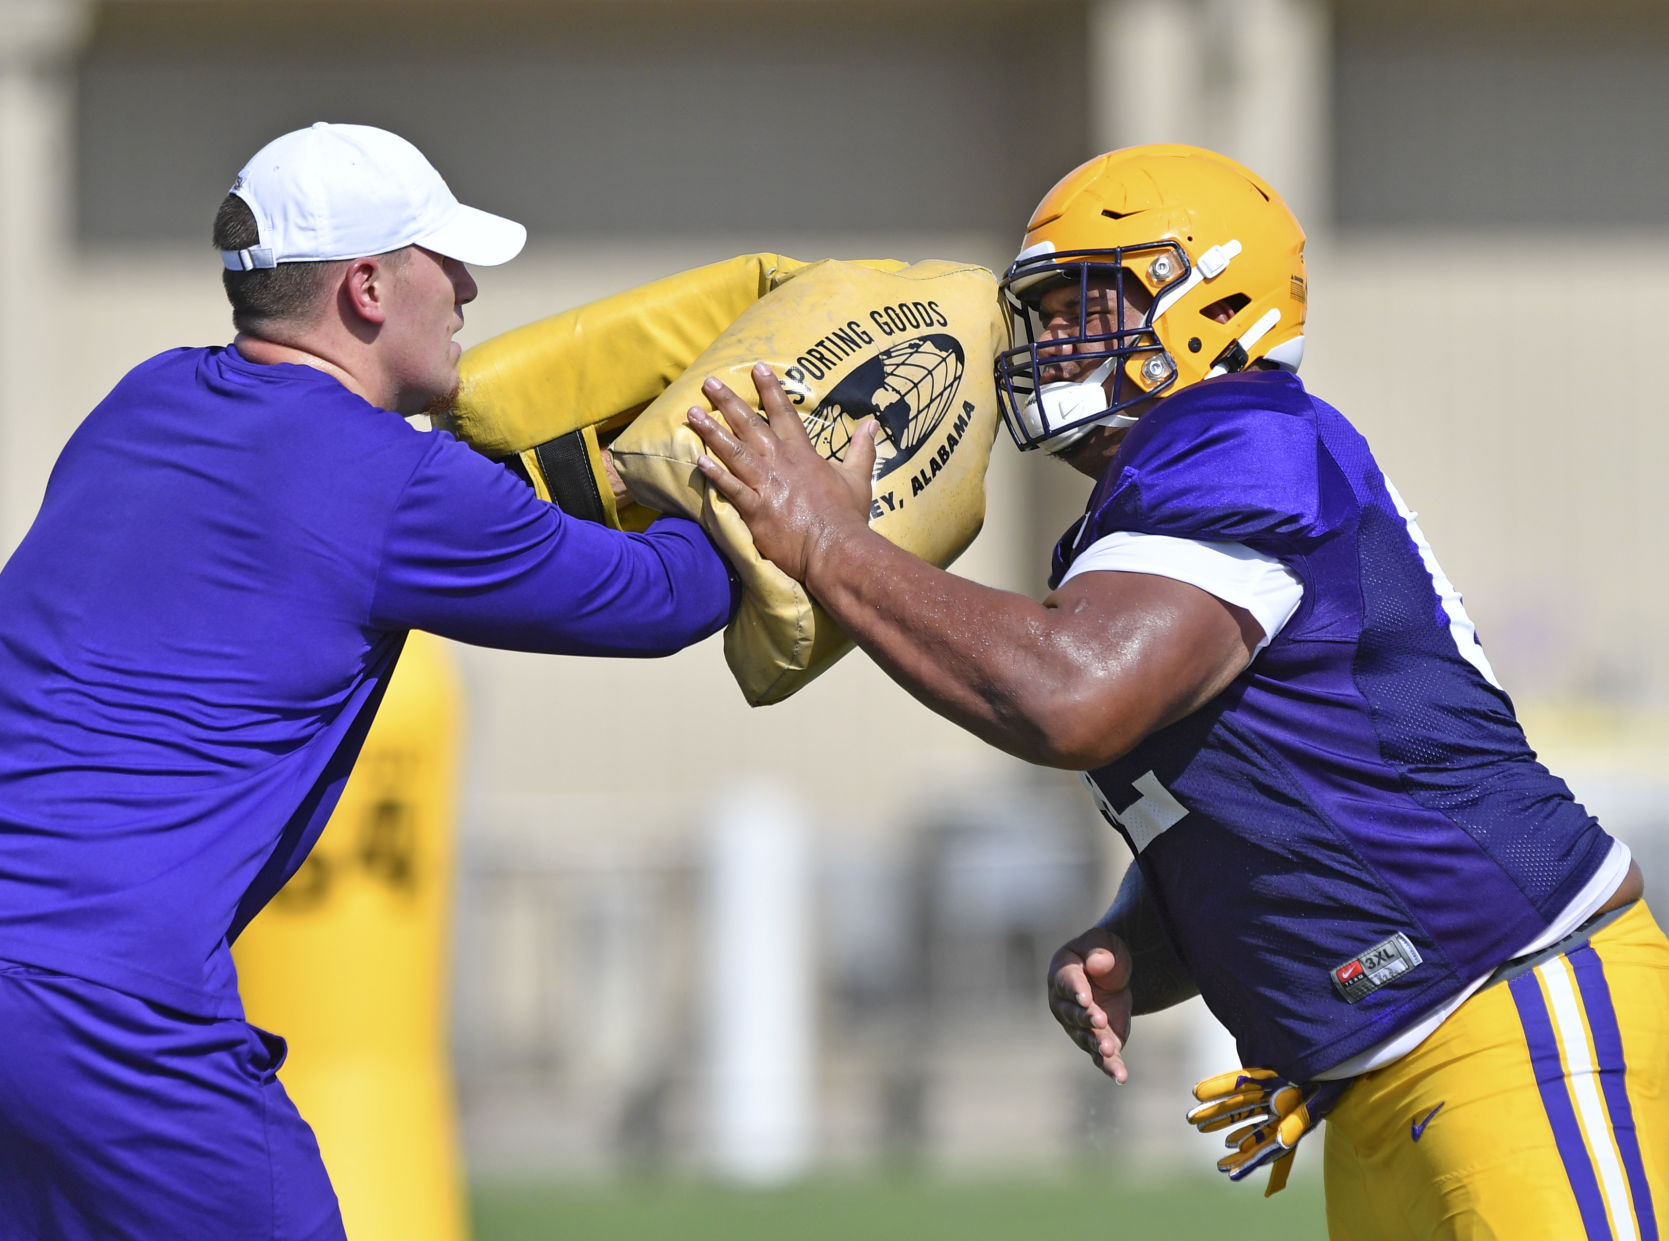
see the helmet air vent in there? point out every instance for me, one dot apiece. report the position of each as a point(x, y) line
point(1233, 304)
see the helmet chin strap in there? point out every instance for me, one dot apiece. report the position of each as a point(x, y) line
point(1074, 401)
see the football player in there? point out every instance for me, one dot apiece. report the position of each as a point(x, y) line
point(1342, 840)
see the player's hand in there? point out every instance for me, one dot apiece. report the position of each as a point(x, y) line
point(1089, 994)
point(1269, 1116)
point(794, 502)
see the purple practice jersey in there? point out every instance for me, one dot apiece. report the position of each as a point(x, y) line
point(1355, 829)
point(197, 629)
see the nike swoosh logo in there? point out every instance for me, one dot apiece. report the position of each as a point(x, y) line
point(1418, 1127)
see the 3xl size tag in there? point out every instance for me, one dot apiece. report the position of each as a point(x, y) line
point(1377, 966)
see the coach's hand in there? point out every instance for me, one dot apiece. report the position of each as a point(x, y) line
point(794, 502)
point(1089, 994)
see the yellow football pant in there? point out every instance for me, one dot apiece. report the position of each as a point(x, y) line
point(1538, 1110)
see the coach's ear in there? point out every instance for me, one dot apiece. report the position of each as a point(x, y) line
point(911, 348)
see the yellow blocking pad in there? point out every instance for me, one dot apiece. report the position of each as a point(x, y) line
point(603, 361)
point(350, 964)
point(1486, 1163)
point(911, 347)
point(592, 369)
point(595, 367)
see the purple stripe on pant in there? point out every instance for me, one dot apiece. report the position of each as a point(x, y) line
point(1608, 1047)
point(1550, 1080)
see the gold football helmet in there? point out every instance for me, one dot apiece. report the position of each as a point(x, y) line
point(1218, 254)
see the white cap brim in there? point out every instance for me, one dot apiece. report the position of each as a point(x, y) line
point(478, 238)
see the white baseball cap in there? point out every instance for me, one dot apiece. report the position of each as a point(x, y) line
point(349, 191)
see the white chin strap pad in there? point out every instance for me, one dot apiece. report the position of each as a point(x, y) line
point(1073, 406)
point(1066, 439)
point(1066, 403)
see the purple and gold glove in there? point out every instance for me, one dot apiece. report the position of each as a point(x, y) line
point(1270, 1114)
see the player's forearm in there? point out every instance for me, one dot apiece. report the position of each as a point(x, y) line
point(1158, 976)
point(987, 659)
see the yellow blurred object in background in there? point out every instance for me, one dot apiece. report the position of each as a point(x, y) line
point(350, 964)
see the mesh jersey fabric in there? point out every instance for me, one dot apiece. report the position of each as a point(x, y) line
point(1363, 779)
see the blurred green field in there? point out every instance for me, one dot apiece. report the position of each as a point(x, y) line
point(905, 1209)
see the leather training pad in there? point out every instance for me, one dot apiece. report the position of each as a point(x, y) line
point(601, 362)
point(913, 348)
point(546, 397)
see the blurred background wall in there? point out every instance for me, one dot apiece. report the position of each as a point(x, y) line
point(1487, 192)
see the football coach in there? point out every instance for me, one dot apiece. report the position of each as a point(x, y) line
point(194, 636)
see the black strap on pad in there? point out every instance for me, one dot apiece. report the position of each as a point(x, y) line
point(566, 465)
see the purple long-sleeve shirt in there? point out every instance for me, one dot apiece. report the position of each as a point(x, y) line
point(197, 629)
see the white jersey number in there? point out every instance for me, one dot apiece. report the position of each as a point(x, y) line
point(1460, 624)
point(1155, 809)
